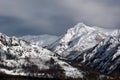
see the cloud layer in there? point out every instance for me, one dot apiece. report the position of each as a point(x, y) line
point(23, 17)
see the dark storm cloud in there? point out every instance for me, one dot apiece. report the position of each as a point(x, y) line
point(18, 27)
point(14, 26)
point(22, 17)
point(95, 12)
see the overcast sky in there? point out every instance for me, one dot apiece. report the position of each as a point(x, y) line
point(34, 17)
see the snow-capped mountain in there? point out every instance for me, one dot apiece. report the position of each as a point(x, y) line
point(80, 37)
point(19, 57)
point(92, 46)
point(41, 40)
point(68, 55)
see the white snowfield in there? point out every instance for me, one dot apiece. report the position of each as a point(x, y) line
point(19, 57)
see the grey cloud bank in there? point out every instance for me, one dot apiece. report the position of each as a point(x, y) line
point(34, 17)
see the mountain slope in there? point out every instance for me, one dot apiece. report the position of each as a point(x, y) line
point(80, 37)
point(18, 57)
point(105, 57)
point(92, 46)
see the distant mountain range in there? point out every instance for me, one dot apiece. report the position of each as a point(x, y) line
point(40, 40)
point(81, 51)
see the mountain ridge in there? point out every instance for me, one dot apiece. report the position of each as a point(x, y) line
point(85, 44)
point(19, 57)
point(82, 44)
point(95, 47)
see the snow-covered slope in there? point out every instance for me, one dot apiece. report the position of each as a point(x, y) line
point(18, 57)
point(93, 46)
point(104, 57)
point(41, 40)
point(79, 38)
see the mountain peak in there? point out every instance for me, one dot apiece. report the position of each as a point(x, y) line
point(81, 27)
point(93, 46)
point(82, 37)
